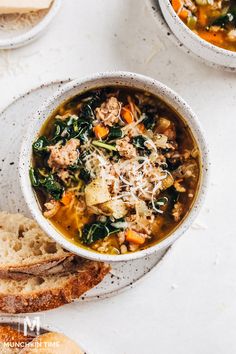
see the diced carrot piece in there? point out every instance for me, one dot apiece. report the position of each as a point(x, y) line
point(184, 14)
point(100, 131)
point(127, 115)
point(202, 16)
point(67, 198)
point(212, 37)
point(177, 4)
point(141, 127)
point(134, 237)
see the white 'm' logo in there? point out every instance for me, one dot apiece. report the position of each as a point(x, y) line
point(32, 324)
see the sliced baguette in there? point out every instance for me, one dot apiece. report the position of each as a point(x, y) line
point(11, 340)
point(25, 250)
point(45, 293)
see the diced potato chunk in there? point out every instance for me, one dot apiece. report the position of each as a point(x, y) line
point(97, 192)
point(163, 124)
point(167, 182)
point(160, 141)
point(157, 225)
point(116, 208)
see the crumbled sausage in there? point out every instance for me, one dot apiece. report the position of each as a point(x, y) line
point(232, 35)
point(190, 5)
point(109, 111)
point(63, 156)
point(63, 117)
point(126, 149)
point(80, 205)
point(179, 187)
point(177, 211)
point(121, 237)
point(52, 208)
point(142, 225)
point(133, 247)
point(123, 249)
point(186, 170)
point(63, 175)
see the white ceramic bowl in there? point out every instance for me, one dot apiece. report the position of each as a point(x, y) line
point(29, 35)
point(200, 47)
point(99, 80)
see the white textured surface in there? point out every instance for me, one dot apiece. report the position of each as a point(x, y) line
point(188, 304)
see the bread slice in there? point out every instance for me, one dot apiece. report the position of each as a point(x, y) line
point(11, 340)
point(52, 343)
point(45, 293)
point(36, 274)
point(25, 250)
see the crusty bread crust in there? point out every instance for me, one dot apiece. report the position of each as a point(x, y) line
point(75, 285)
point(12, 340)
point(9, 334)
point(59, 265)
point(64, 345)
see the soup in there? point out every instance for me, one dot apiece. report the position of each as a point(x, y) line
point(115, 170)
point(213, 20)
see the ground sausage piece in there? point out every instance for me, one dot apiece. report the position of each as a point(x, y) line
point(63, 175)
point(63, 156)
point(52, 208)
point(190, 5)
point(109, 112)
point(121, 237)
point(177, 211)
point(126, 149)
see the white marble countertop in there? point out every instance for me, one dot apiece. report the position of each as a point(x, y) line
point(188, 304)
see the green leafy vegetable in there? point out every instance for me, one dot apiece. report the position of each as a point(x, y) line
point(85, 175)
point(98, 230)
point(40, 145)
point(115, 156)
point(74, 127)
point(115, 133)
point(161, 202)
point(149, 121)
point(139, 142)
point(33, 178)
point(95, 98)
point(87, 113)
point(227, 19)
point(104, 145)
point(80, 170)
point(52, 187)
point(48, 183)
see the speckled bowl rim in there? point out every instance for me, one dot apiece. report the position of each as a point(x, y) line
point(99, 80)
point(194, 36)
point(34, 32)
point(155, 10)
